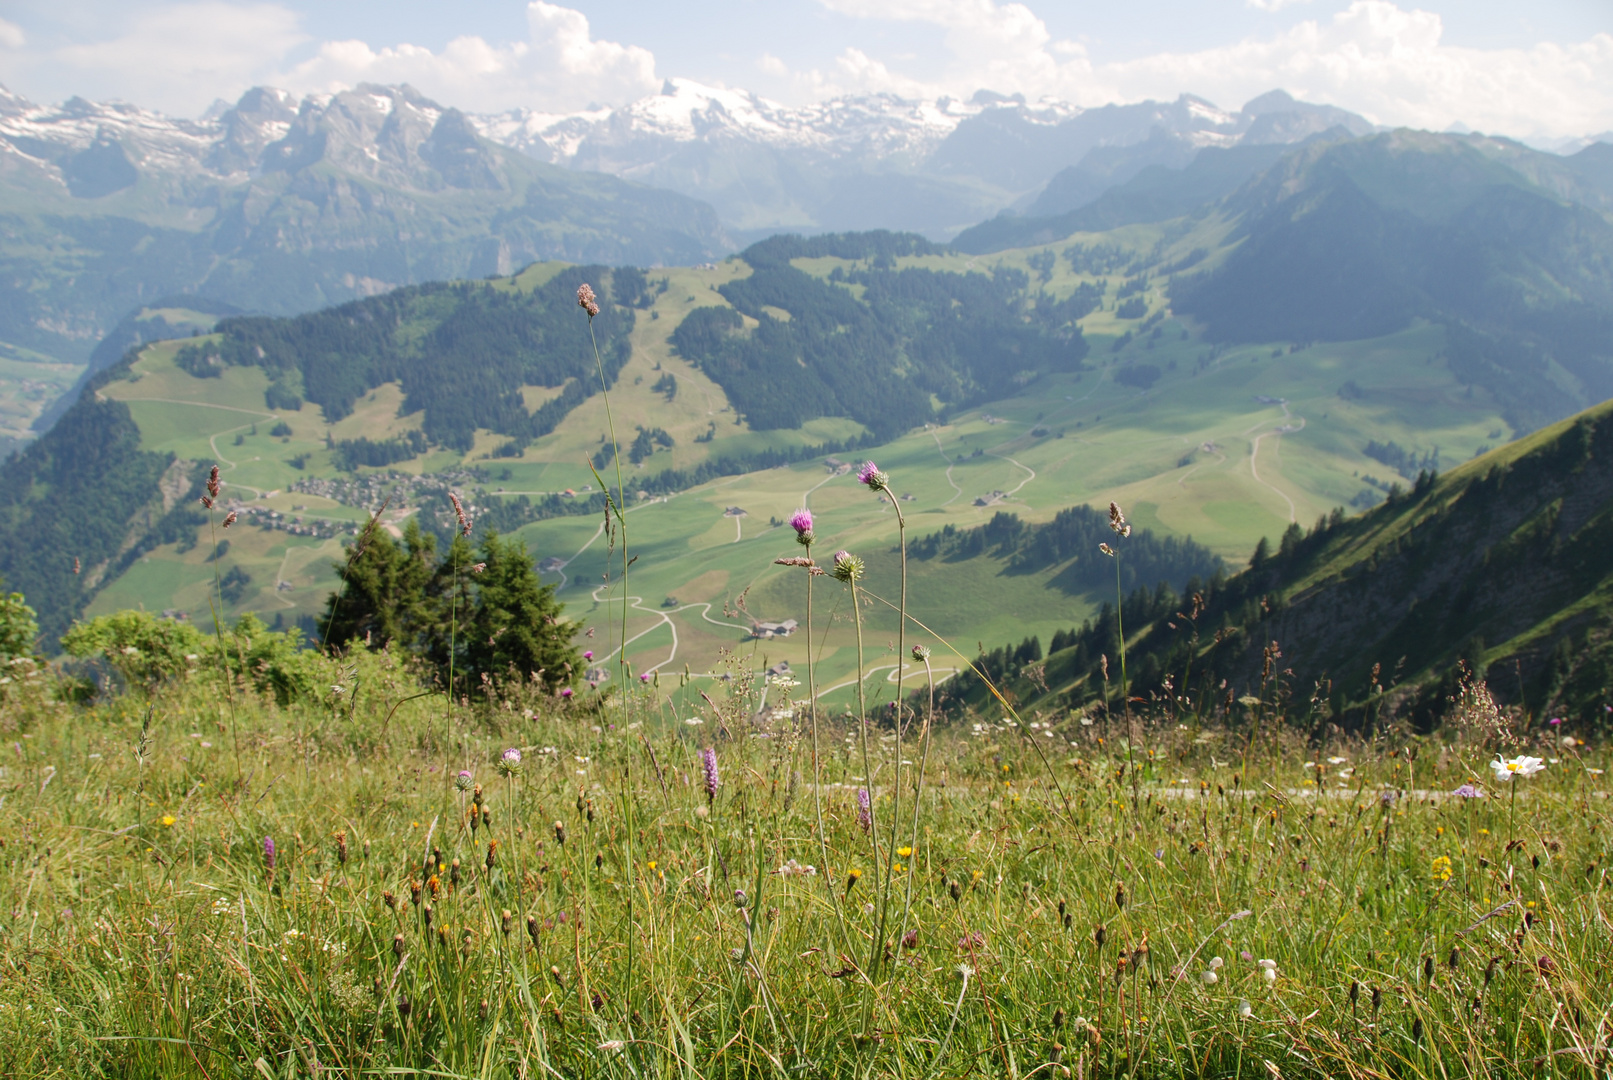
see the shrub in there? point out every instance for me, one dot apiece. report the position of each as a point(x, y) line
point(144, 648)
point(18, 627)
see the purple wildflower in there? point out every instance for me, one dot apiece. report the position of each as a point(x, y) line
point(509, 763)
point(870, 475)
point(463, 780)
point(268, 852)
point(801, 522)
point(865, 809)
point(565, 691)
point(708, 761)
point(847, 567)
point(1554, 721)
point(1468, 791)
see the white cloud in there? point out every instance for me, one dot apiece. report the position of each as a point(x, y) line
point(1374, 57)
point(560, 66)
point(166, 57)
point(1273, 5)
point(11, 35)
point(1392, 66)
point(178, 57)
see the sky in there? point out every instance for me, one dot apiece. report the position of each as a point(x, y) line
point(1538, 70)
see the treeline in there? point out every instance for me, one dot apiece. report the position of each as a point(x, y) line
point(1074, 535)
point(1407, 463)
point(350, 454)
point(476, 615)
point(461, 351)
point(877, 358)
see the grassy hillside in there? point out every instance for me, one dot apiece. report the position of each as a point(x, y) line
point(1221, 443)
point(1503, 564)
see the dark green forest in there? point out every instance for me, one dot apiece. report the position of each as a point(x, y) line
point(879, 358)
point(461, 352)
point(76, 495)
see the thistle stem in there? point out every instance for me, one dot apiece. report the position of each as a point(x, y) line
point(817, 777)
point(896, 781)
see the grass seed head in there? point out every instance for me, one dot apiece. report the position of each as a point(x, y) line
point(586, 299)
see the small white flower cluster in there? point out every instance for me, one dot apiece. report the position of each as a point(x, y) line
point(1268, 968)
point(1211, 974)
point(795, 869)
point(222, 906)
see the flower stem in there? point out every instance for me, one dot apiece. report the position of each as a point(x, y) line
point(621, 516)
point(1125, 693)
point(918, 793)
point(896, 780)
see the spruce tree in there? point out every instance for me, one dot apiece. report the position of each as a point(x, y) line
point(382, 598)
point(517, 631)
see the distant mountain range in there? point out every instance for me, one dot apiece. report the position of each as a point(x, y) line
point(884, 162)
point(278, 206)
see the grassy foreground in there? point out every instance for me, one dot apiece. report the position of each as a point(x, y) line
point(602, 916)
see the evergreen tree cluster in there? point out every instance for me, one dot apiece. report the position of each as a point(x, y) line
point(881, 356)
point(349, 454)
point(461, 351)
point(1072, 536)
point(478, 614)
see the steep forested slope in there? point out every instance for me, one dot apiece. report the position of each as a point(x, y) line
point(1506, 564)
point(818, 348)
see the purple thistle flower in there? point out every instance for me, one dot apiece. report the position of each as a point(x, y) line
point(509, 763)
point(708, 761)
point(565, 691)
point(870, 475)
point(268, 852)
point(865, 809)
point(463, 780)
point(801, 522)
point(1468, 791)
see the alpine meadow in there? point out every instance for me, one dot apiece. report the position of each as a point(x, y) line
point(885, 586)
